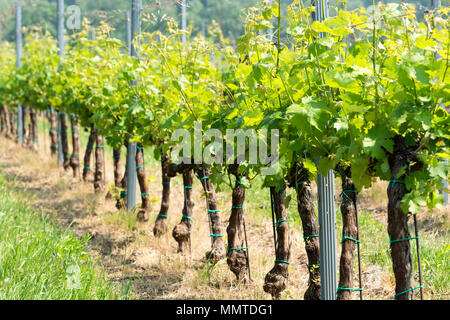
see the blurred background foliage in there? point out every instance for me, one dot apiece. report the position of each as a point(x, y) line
point(229, 14)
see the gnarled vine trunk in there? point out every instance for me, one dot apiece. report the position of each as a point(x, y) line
point(121, 202)
point(117, 163)
point(350, 233)
point(13, 123)
point(88, 172)
point(30, 130)
point(144, 213)
point(25, 128)
point(34, 138)
point(299, 179)
point(182, 231)
point(275, 280)
point(160, 227)
point(7, 122)
point(398, 219)
point(64, 140)
point(99, 176)
point(53, 116)
point(117, 166)
point(75, 157)
point(237, 258)
point(2, 121)
point(217, 252)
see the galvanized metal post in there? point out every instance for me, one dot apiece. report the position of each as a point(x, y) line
point(19, 65)
point(183, 19)
point(135, 29)
point(327, 212)
point(327, 232)
point(60, 10)
point(128, 20)
point(92, 34)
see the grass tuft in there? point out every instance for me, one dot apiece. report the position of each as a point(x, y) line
point(39, 261)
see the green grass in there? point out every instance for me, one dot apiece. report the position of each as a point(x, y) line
point(435, 261)
point(38, 260)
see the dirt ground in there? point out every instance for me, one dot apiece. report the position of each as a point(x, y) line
point(131, 255)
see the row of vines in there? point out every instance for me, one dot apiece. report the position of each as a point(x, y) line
point(364, 93)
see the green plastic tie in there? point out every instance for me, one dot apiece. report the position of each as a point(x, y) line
point(166, 182)
point(280, 221)
point(204, 178)
point(99, 147)
point(162, 215)
point(116, 157)
point(74, 156)
point(186, 217)
point(282, 261)
point(344, 192)
point(54, 146)
point(89, 168)
point(140, 167)
point(348, 238)
point(233, 207)
point(394, 181)
point(216, 235)
point(399, 294)
point(399, 240)
point(212, 211)
point(139, 148)
point(348, 289)
point(123, 192)
point(145, 194)
point(311, 236)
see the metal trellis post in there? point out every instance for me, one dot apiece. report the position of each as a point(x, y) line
point(128, 20)
point(183, 19)
point(327, 212)
point(134, 29)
